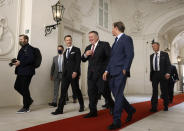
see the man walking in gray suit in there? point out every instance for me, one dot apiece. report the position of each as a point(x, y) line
point(56, 73)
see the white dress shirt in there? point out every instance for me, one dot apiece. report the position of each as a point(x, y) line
point(119, 36)
point(158, 61)
point(92, 47)
point(60, 64)
point(95, 45)
point(68, 51)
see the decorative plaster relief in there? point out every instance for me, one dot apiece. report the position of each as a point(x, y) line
point(4, 2)
point(160, 1)
point(138, 18)
point(76, 10)
point(6, 37)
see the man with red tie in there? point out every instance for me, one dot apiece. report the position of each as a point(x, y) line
point(97, 54)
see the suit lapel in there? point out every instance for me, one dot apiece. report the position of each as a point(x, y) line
point(115, 45)
point(161, 56)
point(97, 48)
point(56, 61)
point(152, 60)
point(71, 51)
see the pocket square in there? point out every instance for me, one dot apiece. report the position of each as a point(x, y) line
point(72, 53)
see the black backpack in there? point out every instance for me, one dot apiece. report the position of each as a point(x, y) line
point(38, 57)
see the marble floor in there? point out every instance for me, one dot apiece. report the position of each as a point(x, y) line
point(172, 120)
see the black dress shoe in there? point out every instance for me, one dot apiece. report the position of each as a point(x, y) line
point(81, 109)
point(57, 112)
point(105, 106)
point(53, 104)
point(153, 110)
point(114, 126)
point(166, 108)
point(89, 115)
point(129, 117)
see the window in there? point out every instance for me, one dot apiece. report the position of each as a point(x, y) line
point(103, 13)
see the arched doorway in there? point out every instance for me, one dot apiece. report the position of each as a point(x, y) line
point(167, 29)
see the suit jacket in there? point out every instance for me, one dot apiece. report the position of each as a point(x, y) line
point(165, 64)
point(72, 64)
point(55, 67)
point(98, 62)
point(122, 55)
point(26, 58)
point(174, 74)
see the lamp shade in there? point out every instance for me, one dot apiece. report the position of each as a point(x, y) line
point(179, 59)
point(58, 11)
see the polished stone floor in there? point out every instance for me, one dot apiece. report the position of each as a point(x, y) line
point(173, 120)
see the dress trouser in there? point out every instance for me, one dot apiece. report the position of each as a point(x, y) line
point(156, 79)
point(22, 87)
point(117, 86)
point(96, 86)
point(66, 81)
point(57, 83)
point(171, 91)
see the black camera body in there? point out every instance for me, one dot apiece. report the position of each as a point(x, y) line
point(14, 60)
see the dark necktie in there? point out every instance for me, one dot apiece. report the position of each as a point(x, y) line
point(67, 52)
point(156, 64)
point(115, 42)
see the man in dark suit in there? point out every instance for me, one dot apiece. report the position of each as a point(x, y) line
point(172, 80)
point(70, 75)
point(24, 70)
point(119, 69)
point(160, 69)
point(97, 54)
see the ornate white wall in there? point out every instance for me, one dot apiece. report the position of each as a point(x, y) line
point(9, 29)
point(144, 20)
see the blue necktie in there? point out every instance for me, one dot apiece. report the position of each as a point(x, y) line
point(115, 42)
point(156, 65)
point(60, 65)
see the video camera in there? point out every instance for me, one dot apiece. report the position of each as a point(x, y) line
point(13, 61)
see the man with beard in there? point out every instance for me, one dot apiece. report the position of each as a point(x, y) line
point(24, 70)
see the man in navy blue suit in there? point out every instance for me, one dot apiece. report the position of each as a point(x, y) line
point(118, 69)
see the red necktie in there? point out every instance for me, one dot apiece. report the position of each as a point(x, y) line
point(93, 47)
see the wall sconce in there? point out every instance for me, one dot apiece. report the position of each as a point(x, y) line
point(58, 12)
point(179, 59)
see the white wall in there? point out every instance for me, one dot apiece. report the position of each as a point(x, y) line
point(143, 19)
point(41, 86)
point(9, 11)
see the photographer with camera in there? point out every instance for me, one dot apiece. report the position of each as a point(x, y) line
point(24, 70)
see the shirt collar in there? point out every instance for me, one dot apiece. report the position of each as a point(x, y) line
point(119, 35)
point(70, 48)
point(158, 52)
point(95, 43)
